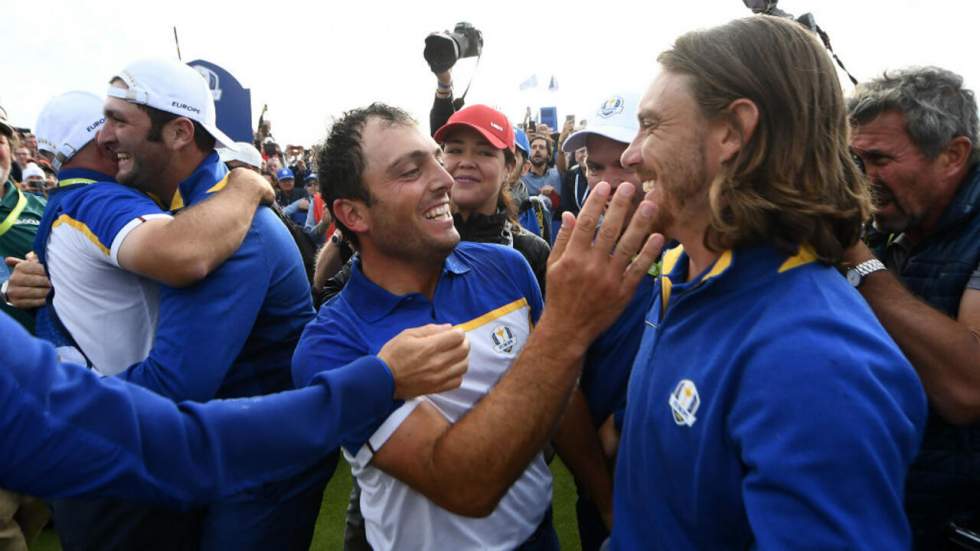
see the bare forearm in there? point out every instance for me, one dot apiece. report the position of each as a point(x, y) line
point(577, 443)
point(945, 352)
point(328, 262)
point(520, 413)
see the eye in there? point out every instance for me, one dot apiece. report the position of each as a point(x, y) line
point(411, 173)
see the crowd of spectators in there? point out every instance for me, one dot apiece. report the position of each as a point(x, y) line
point(743, 309)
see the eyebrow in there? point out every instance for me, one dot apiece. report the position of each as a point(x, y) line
point(416, 155)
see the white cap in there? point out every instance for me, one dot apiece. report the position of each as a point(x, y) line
point(173, 87)
point(244, 152)
point(31, 170)
point(68, 123)
point(615, 119)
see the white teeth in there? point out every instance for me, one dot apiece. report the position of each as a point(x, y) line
point(648, 185)
point(441, 211)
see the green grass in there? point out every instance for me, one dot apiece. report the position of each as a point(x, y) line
point(329, 534)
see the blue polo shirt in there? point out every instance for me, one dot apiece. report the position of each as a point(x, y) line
point(606, 370)
point(477, 279)
point(767, 409)
point(242, 322)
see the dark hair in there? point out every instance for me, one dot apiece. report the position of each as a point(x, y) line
point(936, 106)
point(202, 138)
point(341, 158)
point(794, 181)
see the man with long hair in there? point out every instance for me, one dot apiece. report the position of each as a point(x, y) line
point(767, 407)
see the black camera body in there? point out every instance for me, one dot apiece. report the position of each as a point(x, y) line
point(444, 49)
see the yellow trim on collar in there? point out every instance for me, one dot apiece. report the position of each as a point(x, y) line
point(670, 259)
point(177, 202)
point(722, 264)
point(220, 185)
point(805, 255)
point(80, 226)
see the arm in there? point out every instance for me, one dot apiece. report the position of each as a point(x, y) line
point(442, 104)
point(945, 352)
point(577, 443)
point(328, 261)
point(67, 432)
point(181, 250)
point(824, 463)
point(463, 467)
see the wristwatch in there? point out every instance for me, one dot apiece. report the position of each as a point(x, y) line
point(856, 274)
point(3, 293)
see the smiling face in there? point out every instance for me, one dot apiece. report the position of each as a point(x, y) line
point(126, 134)
point(905, 184)
point(478, 170)
point(669, 153)
point(409, 217)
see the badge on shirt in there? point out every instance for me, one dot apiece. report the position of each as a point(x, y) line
point(684, 402)
point(503, 339)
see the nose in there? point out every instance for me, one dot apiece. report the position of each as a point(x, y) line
point(442, 181)
point(630, 159)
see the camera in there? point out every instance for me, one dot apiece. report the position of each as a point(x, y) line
point(444, 49)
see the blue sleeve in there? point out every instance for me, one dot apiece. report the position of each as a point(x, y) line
point(66, 432)
point(203, 328)
point(310, 223)
point(826, 439)
point(291, 208)
point(328, 343)
point(106, 208)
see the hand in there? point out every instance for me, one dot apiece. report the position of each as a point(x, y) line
point(304, 204)
point(568, 127)
point(591, 277)
point(546, 190)
point(251, 180)
point(426, 360)
point(28, 286)
point(445, 77)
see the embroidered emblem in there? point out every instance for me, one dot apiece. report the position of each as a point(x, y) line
point(684, 403)
point(503, 339)
point(611, 106)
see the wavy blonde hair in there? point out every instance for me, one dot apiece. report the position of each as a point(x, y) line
point(794, 181)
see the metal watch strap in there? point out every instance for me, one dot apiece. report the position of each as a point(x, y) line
point(870, 267)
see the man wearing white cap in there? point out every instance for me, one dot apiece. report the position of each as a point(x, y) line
point(33, 179)
point(589, 445)
point(241, 321)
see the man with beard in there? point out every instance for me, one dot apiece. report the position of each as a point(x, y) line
point(437, 461)
point(542, 179)
point(767, 407)
point(916, 132)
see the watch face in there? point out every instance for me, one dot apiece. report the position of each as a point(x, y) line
point(854, 277)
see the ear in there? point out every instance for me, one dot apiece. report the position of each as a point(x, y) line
point(736, 129)
point(353, 214)
point(957, 154)
point(179, 133)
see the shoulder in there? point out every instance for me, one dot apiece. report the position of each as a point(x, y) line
point(330, 341)
point(107, 197)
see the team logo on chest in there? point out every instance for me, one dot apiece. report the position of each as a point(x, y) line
point(503, 339)
point(684, 402)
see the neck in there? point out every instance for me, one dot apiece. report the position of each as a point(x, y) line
point(182, 164)
point(691, 236)
point(540, 171)
point(400, 276)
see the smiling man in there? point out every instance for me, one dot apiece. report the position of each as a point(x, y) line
point(767, 407)
point(916, 132)
point(460, 469)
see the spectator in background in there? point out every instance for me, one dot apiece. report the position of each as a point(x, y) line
point(33, 180)
point(291, 199)
point(319, 223)
point(23, 156)
point(243, 155)
point(20, 215)
point(916, 132)
point(575, 187)
point(478, 151)
point(30, 141)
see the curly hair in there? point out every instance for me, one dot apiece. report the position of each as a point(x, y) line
point(935, 105)
point(794, 181)
point(341, 158)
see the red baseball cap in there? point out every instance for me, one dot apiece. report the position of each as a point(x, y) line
point(490, 123)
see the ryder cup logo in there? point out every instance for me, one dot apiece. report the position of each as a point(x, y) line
point(212, 79)
point(612, 106)
point(503, 339)
point(684, 403)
